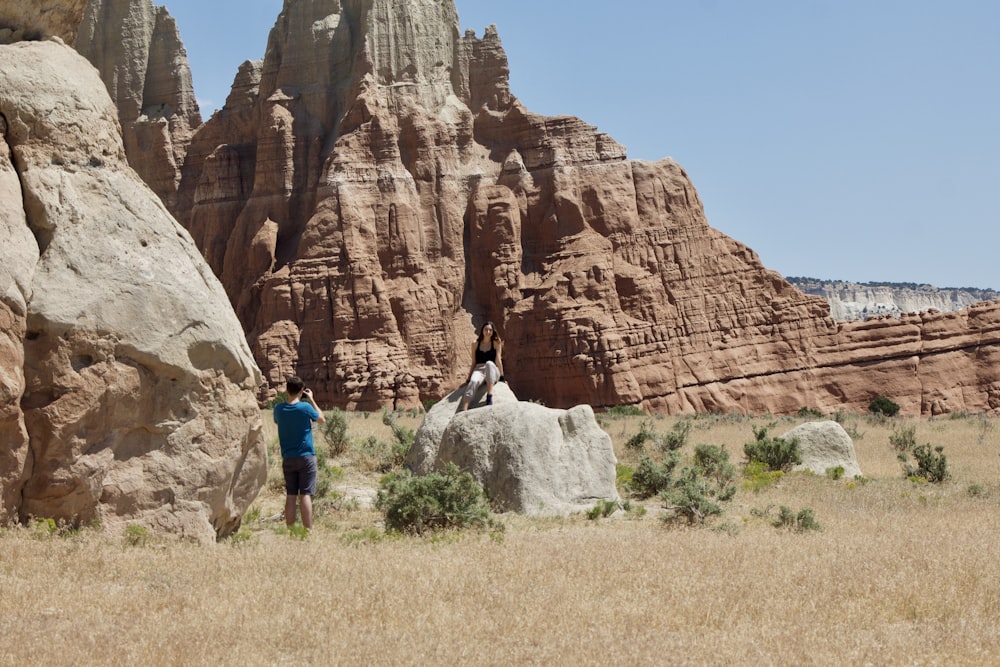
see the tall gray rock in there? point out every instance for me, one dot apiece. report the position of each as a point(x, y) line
point(138, 51)
point(127, 387)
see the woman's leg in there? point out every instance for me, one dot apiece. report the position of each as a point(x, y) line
point(470, 389)
point(492, 375)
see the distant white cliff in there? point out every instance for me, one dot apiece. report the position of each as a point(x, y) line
point(860, 301)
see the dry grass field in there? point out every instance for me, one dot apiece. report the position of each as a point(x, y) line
point(900, 573)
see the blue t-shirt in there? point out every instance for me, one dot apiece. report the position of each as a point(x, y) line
point(295, 434)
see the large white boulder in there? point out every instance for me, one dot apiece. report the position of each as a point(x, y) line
point(423, 454)
point(825, 445)
point(532, 459)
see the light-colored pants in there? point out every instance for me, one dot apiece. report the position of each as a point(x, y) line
point(479, 375)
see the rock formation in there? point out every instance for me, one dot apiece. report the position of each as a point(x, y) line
point(529, 458)
point(40, 19)
point(126, 386)
point(861, 301)
point(142, 61)
point(372, 189)
point(825, 445)
point(423, 455)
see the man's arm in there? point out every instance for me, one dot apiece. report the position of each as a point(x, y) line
point(308, 393)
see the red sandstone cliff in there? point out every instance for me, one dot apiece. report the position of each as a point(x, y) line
point(372, 190)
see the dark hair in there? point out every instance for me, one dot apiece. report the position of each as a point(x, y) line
point(294, 385)
point(495, 338)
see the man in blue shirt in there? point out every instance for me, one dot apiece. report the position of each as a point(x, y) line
point(294, 419)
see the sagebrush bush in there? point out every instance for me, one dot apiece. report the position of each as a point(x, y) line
point(377, 455)
point(693, 497)
point(775, 453)
point(677, 437)
point(903, 438)
point(403, 434)
point(645, 433)
point(419, 504)
point(932, 465)
point(882, 405)
point(625, 411)
point(802, 521)
point(712, 461)
point(334, 431)
point(603, 509)
point(282, 397)
point(650, 477)
point(697, 491)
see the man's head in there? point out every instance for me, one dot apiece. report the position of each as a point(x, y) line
point(294, 385)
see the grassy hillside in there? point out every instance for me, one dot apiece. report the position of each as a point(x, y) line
point(899, 573)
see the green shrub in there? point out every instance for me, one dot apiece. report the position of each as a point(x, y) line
point(623, 476)
point(438, 501)
point(403, 435)
point(252, 515)
point(757, 476)
point(651, 477)
point(242, 536)
point(932, 465)
point(280, 398)
point(677, 437)
point(976, 490)
point(835, 472)
point(696, 493)
point(378, 456)
point(296, 530)
point(692, 497)
point(42, 528)
point(603, 509)
point(903, 438)
point(633, 511)
point(712, 461)
point(645, 433)
point(802, 521)
point(775, 453)
point(881, 405)
point(326, 474)
point(625, 411)
point(136, 535)
point(334, 431)
point(810, 413)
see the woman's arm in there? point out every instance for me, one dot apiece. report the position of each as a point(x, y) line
point(473, 367)
point(500, 357)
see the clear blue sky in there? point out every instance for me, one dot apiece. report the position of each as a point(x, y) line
point(840, 139)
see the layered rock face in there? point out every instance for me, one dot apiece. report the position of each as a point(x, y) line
point(372, 190)
point(861, 301)
point(126, 386)
point(142, 61)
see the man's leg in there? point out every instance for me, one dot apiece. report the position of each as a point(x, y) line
point(306, 502)
point(290, 511)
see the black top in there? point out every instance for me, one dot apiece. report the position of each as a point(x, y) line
point(488, 355)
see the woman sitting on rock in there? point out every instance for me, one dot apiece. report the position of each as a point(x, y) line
point(487, 365)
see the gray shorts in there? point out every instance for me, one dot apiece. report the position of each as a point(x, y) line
point(300, 475)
